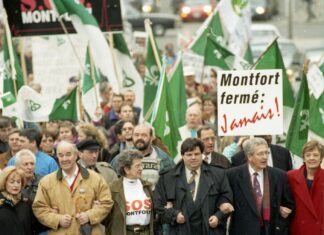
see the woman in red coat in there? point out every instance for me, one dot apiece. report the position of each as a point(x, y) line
point(307, 184)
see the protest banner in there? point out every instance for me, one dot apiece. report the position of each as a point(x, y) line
point(36, 17)
point(250, 102)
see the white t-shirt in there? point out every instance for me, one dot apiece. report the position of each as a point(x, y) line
point(138, 205)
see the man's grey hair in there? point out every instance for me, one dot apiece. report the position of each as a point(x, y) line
point(21, 153)
point(250, 145)
point(126, 160)
point(64, 142)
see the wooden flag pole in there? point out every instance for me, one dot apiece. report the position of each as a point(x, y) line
point(93, 78)
point(117, 74)
point(23, 60)
point(148, 29)
point(70, 41)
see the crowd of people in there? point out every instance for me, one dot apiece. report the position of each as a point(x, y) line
point(114, 176)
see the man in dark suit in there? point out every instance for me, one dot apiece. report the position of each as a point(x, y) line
point(193, 197)
point(207, 135)
point(262, 197)
point(279, 156)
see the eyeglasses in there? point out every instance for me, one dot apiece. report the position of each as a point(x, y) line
point(260, 154)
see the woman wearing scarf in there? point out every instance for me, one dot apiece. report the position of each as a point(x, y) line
point(16, 216)
point(133, 211)
point(307, 185)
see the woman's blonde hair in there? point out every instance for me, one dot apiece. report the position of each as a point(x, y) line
point(6, 172)
point(94, 133)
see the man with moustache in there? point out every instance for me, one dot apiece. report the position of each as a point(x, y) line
point(154, 159)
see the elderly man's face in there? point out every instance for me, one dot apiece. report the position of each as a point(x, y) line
point(193, 118)
point(27, 164)
point(259, 158)
point(67, 157)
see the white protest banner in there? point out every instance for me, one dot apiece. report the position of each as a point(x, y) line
point(250, 102)
point(54, 62)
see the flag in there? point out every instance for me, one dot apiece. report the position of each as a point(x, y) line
point(9, 107)
point(163, 118)
point(222, 58)
point(11, 64)
point(178, 93)
point(131, 80)
point(152, 76)
point(272, 59)
point(87, 27)
point(298, 129)
point(12, 76)
point(211, 24)
point(35, 107)
point(90, 87)
point(316, 109)
point(238, 27)
point(66, 107)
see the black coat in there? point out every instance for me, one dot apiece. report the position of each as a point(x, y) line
point(18, 219)
point(213, 190)
point(218, 159)
point(281, 158)
point(245, 218)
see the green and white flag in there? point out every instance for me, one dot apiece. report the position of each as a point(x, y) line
point(152, 76)
point(12, 76)
point(9, 105)
point(178, 92)
point(212, 24)
point(90, 87)
point(298, 129)
point(272, 59)
point(163, 118)
point(66, 107)
point(35, 107)
point(316, 109)
point(238, 27)
point(221, 58)
point(131, 80)
point(87, 27)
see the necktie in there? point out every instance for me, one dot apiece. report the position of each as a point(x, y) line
point(193, 133)
point(192, 183)
point(257, 191)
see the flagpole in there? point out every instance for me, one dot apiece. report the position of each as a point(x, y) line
point(93, 78)
point(111, 44)
point(148, 29)
point(79, 101)
point(261, 56)
point(10, 48)
point(23, 60)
